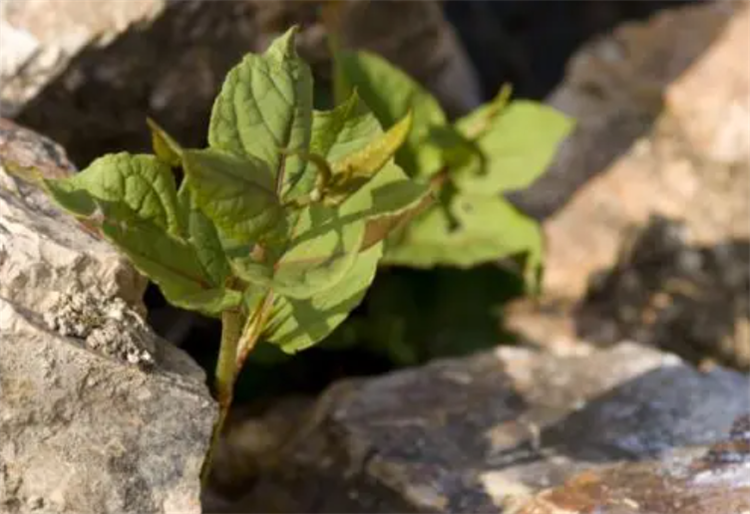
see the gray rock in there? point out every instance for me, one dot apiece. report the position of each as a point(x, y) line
point(97, 414)
point(478, 434)
point(81, 432)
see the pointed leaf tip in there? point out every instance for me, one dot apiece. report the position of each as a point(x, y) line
point(165, 147)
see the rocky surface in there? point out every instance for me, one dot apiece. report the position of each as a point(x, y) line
point(645, 210)
point(97, 414)
point(717, 481)
point(487, 432)
point(80, 432)
point(87, 73)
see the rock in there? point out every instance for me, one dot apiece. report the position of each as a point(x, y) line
point(88, 74)
point(486, 432)
point(97, 414)
point(620, 85)
point(43, 251)
point(654, 147)
point(717, 482)
point(81, 432)
point(715, 124)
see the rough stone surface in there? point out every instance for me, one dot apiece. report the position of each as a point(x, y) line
point(43, 251)
point(96, 413)
point(478, 434)
point(106, 324)
point(646, 210)
point(87, 73)
point(80, 432)
point(716, 482)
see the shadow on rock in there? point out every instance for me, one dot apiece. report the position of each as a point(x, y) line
point(691, 300)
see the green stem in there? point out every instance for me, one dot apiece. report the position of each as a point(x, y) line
point(236, 344)
point(253, 330)
point(226, 373)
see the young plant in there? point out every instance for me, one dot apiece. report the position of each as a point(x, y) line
point(276, 227)
point(498, 148)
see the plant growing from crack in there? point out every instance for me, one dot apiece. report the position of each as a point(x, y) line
point(276, 228)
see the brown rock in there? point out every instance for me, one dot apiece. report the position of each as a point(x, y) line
point(716, 483)
point(711, 100)
point(645, 210)
point(660, 173)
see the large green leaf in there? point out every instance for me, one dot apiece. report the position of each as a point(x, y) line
point(126, 183)
point(296, 324)
point(391, 94)
point(265, 105)
point(518, 145)
point(236, 192)
point(470, 230)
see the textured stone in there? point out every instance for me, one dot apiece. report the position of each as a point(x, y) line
point(43, 251)
point(81, 432)
point(711, 100)
point(717, 482)
point(489, 431)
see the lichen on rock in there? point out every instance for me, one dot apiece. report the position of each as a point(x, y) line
point(105, 323)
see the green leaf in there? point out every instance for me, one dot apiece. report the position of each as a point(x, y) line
point(204, 238)
point(236, 193)
point(122, 184)
point(296, 324)
point(470, 230)
point(389, 193)
point(132, 198)
point(391, 94)
point(518, 145)
point(322, 248)
point(457, 151)
point(343, 130)
point(165, 147)
point(480, 119)
point(357, 168)
point(172, 264)
point(265, 105)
